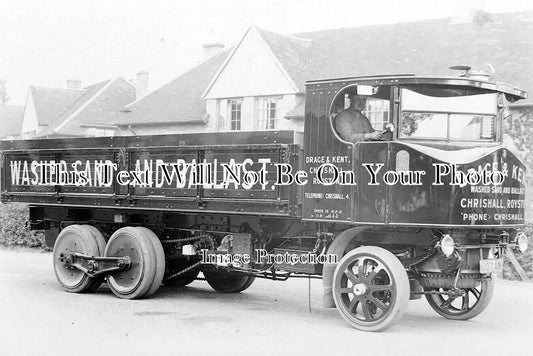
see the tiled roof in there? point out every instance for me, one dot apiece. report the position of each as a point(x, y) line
point(423, 48)
point(51, 102)
point(294, 53)
point(89, 92)
point(99, 104)
point(178, 101)
point(11, 120)
point(429, 48)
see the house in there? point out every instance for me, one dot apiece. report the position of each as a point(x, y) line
point(75, 111)
point(260, 82)
point(10, 121)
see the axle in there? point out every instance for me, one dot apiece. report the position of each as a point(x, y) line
point(94, 266)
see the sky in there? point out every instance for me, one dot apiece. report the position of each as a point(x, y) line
point(45, 43)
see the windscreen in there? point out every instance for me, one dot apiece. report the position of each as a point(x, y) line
point(454, 115)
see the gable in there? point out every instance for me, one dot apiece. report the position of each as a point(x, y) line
point(29, 120)
point(251, 70)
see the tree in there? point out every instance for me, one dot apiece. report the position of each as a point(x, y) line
point(4, 98)
point(481, 18)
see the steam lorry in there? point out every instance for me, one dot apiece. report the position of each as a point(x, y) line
point(429, 210)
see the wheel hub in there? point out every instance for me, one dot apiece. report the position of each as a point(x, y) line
point(360, 289)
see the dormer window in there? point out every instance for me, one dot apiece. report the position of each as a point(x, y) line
point(229, 113)
point(267, 114)
point(234, 114)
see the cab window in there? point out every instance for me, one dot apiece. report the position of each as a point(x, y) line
point(448, 114)
point(377, 108)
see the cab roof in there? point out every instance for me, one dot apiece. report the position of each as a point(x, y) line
point(512, 93)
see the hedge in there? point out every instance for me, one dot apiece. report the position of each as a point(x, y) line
point(15, 227)
point(525, 259)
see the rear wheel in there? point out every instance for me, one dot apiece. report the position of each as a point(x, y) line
point(370, 288)
point(136, 281)
point(182, 279)
point(75, 239)
point(159, 258)
point(470, 304)
point(100, 241)
point(226, 282)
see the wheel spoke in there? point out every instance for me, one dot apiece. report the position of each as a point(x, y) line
point(349, 273)
point(372, 275)
point(381, 287)
point(346, 290)
point(366, 311)
point(475, 292)
point(360, 269)
point(447, 303)
point(378, 303)
point(353, 305)
point(466, 301)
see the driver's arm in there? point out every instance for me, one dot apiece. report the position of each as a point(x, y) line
point(346, 130)
point(369, 133)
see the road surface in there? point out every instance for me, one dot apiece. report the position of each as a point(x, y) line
point(270, 318)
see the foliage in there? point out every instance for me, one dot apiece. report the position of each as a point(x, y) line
point(481, 18)
point(525, 259)
point(519, 128)
point(15, 227)
point(410, 122)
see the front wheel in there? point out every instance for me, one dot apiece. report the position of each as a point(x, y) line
point(470, 304)
point(370, 288)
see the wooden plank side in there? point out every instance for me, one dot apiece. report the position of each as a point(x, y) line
point(154, 192)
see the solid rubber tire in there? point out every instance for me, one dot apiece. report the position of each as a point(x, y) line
point(88, 246)
point(160, 260)
point(395, 270)
point(147, 263)
point(183, 279)
point(226, 282)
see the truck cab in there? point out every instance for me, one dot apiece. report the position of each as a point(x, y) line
point(435, 131)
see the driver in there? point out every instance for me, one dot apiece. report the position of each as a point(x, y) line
point(352, 125)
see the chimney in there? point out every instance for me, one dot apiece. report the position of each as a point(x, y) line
point(210, 49)
point(74, 84)
point(141, 84)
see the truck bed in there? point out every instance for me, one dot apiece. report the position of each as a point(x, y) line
point(157, 176)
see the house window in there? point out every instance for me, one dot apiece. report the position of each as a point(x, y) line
point(234, 114)
point(377, 111)
point(220, 112)
point(267, 114)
